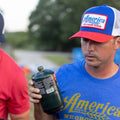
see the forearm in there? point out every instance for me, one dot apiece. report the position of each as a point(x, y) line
point(40, 114)
point(23, 116)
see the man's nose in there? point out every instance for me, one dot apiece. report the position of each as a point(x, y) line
point(90, 45)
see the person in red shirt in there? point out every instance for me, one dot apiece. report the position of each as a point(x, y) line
point(14, 98)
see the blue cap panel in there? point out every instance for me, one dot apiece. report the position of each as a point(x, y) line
point(102, 11)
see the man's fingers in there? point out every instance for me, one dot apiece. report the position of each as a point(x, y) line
point(34, 100)
point(34, 90)
point(34, 95)
point(30, 82)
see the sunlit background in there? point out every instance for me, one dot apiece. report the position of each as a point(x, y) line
point(16, 13)
point(37, 32)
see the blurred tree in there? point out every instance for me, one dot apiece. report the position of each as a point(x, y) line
point(17, 39)
point(113, 3)
point(54, 21)
point(70, 20)
point(44, 25)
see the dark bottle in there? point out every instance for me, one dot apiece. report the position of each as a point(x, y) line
point(45, 80)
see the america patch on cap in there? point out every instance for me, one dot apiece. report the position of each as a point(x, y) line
point(94, 21)
point(100, 24)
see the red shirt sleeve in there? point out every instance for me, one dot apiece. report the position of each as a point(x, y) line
point(19, 98)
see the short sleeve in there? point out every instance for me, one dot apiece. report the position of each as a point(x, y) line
point(18, 102)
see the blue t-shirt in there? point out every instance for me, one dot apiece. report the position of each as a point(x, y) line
point(86, 97)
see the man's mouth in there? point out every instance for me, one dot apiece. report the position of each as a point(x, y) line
point(90, 57)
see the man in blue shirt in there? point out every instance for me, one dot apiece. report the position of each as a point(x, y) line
point(90, 87)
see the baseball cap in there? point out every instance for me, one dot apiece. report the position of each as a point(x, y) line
point(2, 38)
point(100, 24)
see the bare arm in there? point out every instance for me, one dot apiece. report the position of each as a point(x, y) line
point(39, 114)
point(24, 116)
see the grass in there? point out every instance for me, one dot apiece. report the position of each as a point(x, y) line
point(59, 59)
point(28, 77)
point(31, 111)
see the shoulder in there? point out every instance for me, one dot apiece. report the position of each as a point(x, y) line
point(67, 73)
point(10, 68)
point(69, 70)
point(8, 63)
point(76, 66)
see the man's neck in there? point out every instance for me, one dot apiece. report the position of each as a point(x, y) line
point(102, 72)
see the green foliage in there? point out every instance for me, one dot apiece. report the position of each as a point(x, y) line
point(59, 59)
point(54, 21)
point(17, 39)
point(45, 26)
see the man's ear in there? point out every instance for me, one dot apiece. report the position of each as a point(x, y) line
point(117, 43)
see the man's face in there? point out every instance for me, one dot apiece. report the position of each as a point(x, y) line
point(96, 53)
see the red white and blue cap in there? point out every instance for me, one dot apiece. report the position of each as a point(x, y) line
point(2, 38)
point(100, 24)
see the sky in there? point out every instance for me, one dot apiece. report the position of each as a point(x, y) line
point(16, 13)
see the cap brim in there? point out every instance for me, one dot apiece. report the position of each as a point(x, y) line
point(2, 38)
point(98, 37)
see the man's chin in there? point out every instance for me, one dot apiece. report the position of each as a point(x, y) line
point(92, 64)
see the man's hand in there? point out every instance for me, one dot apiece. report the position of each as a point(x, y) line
point(33, 93)
point(39, 114)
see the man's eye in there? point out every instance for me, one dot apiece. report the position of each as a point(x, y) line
point(86, 40)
